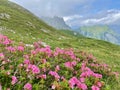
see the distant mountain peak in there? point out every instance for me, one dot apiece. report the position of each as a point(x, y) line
point(56, 22)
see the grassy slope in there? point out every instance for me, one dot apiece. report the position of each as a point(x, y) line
point(29, 28)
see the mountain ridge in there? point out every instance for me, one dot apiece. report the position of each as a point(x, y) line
point(56, 22)
point(101, 32)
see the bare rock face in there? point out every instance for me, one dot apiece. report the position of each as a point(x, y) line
point(30, 24)
point(4, 16)
point(2, 28)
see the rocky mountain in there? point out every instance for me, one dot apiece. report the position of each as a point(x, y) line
point(100, 32)
point(56, 22)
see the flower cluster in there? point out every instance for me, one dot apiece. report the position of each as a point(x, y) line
point(38, 67)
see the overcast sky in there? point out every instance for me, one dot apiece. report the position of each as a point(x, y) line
point(75, 12)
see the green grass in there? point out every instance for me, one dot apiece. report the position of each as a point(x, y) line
point(29, 28)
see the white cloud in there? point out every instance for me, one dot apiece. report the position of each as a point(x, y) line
point(110, 18)
point(67, 18)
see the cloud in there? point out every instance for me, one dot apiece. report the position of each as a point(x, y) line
point(112, 16)
point(55, 7)
point(72, 17)
point(107, 17)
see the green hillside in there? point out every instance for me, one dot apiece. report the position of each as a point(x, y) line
point(22, 26)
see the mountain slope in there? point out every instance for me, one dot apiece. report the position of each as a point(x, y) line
point(101, 33)
point(21, 25)
point(56, 22)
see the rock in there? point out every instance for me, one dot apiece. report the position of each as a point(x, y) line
point(4, 16)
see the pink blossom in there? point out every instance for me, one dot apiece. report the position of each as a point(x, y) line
point(53, 86)
point(57, 68)
point(73, 81)
point(20, 65)
point(82, 86)
point(43, 76)
point(74, 63)
point(7, 41)
point(26, 61)
point(63, 78)
point(70, 64)
point(11, 49)
point(33, 52)
point(20, 48)
point(1, 55)
point(52, 73)
point(94, 87)
point(26, 56)
point(82, 80)
point(44, 61)
point(97, 75)
point(8, 73)
point(28, 86)
point(35, 69)
point(14, 80)
point(99, 84)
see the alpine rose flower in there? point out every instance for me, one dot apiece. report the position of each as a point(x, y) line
point(14, 80)
point(1, 55)
point(20, 48)
point(52, 73)
point(95, 87)
point(35, 69)
point(28, 86)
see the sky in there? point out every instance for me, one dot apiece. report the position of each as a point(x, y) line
point(76, 12)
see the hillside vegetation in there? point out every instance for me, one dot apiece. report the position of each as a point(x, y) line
point(22, 26)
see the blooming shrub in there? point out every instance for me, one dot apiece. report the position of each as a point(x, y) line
point(41, 68)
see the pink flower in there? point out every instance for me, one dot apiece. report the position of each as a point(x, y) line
point(1, 55)
point(35, 69)
point(82, 80)
point(52, 73)
point(53, 86)
point(82, 86)
point(63, 78)
point(73, 81)
point(26, 56)
point(14, 80)
point(7, 41)
point(97, 75)
point(8, 73)
point(28, 86)
point(11, 49)
point(43, 76)
point(26, 61)
point(57, 68)
point(44, 61)
point(99, 84)
point(95, 87)
point(33, 52)
point(74, 63)
point(70, 64)
point(20, 48)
